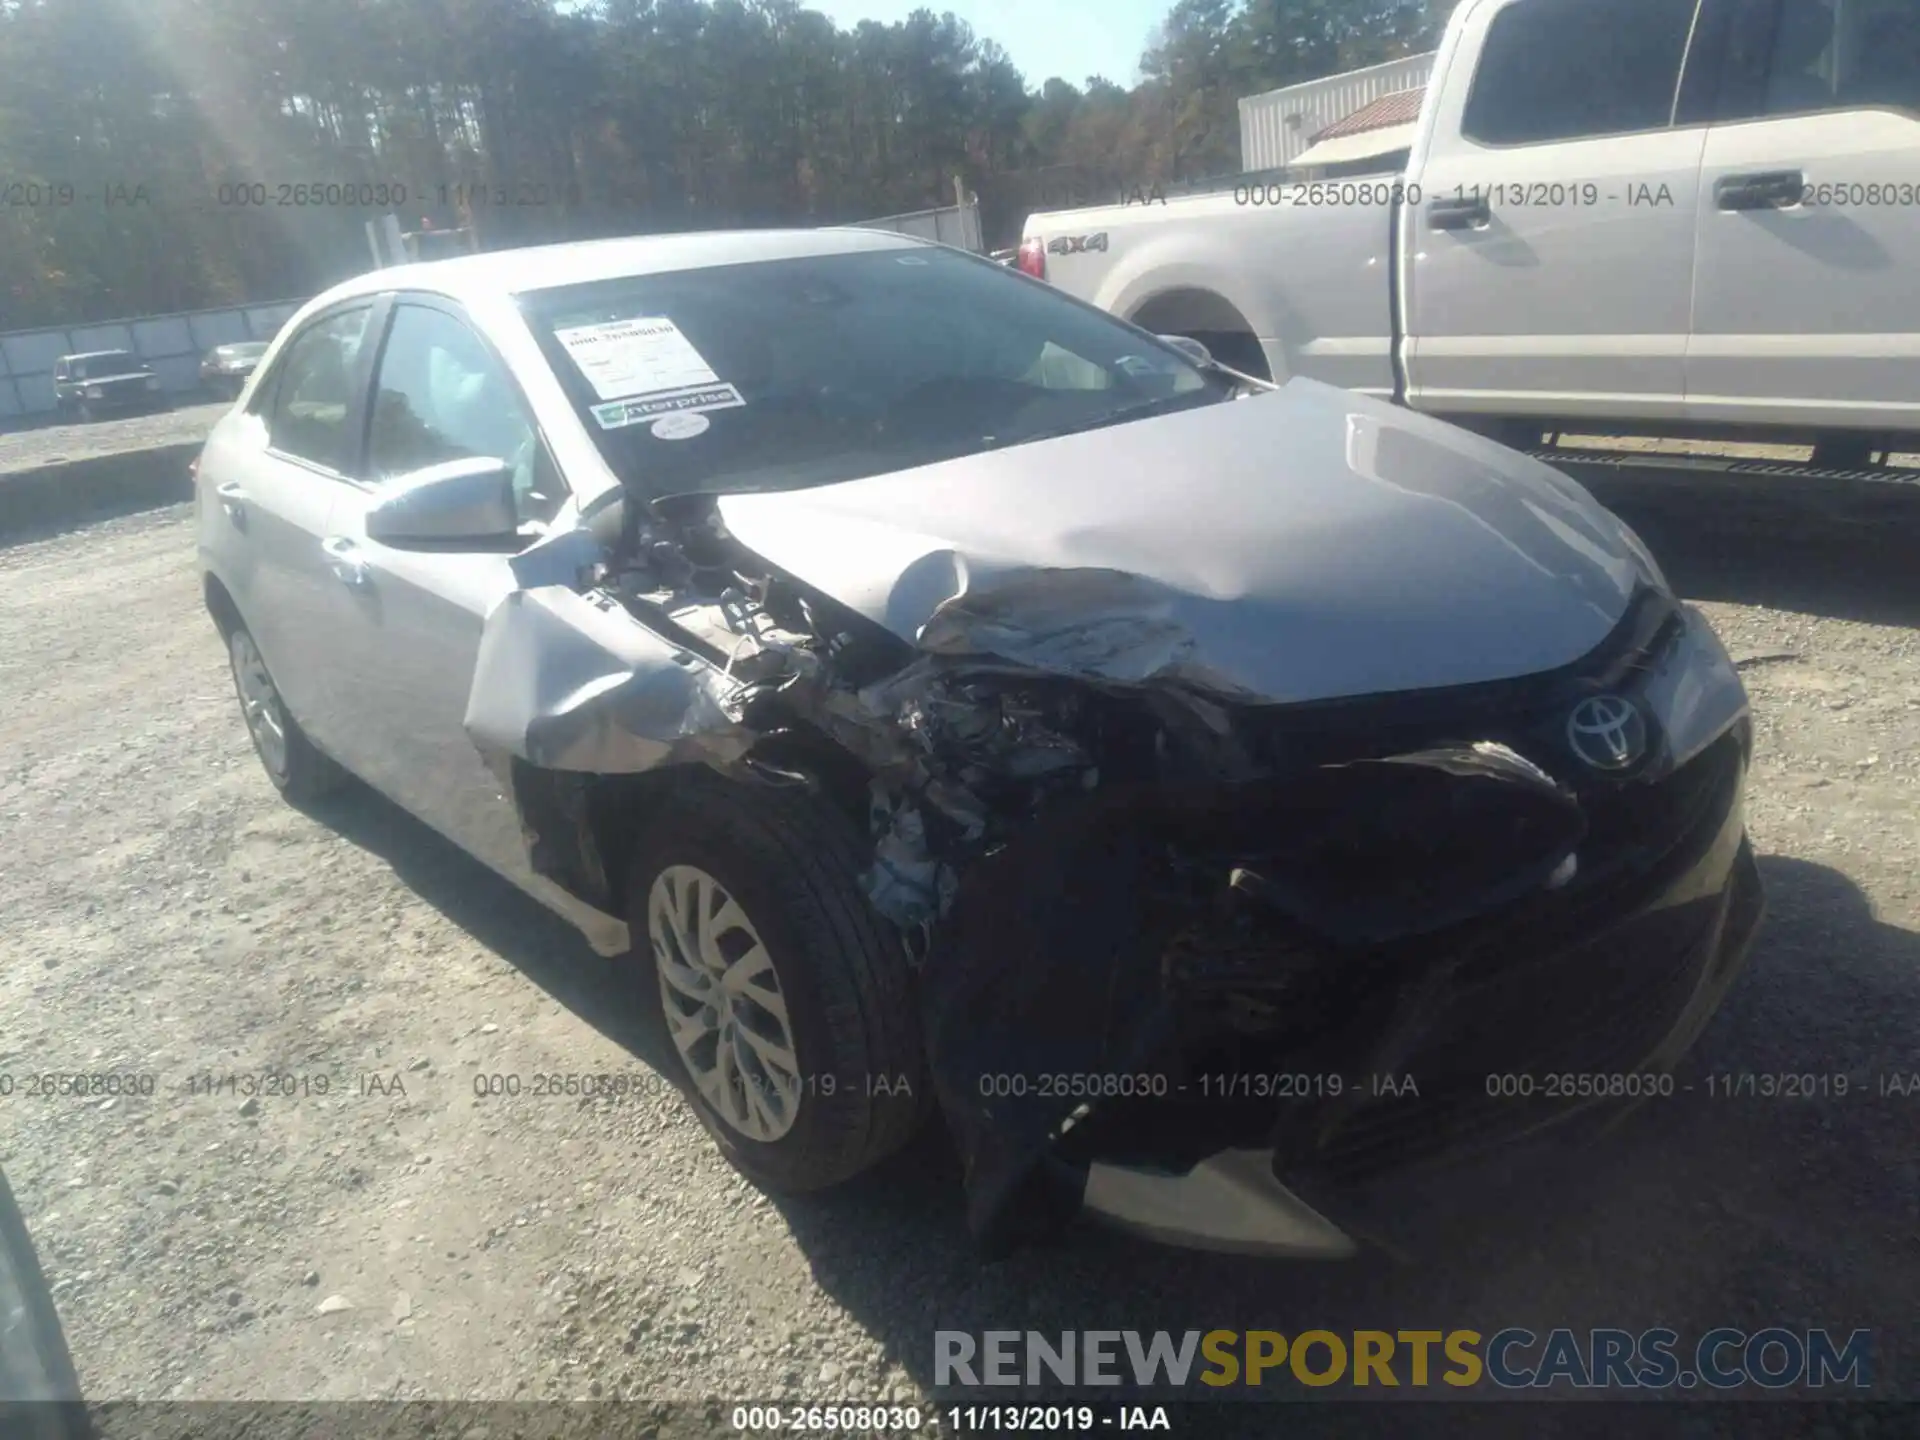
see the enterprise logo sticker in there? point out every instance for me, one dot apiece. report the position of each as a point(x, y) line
point(618, 413)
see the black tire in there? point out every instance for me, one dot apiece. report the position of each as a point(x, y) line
point(792, 862)
point(1844, 452)
point(304, 774)
point(24, 1293)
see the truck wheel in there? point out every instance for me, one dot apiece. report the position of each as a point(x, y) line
point(1843, 452)
point(297, 769)
point(785, 996)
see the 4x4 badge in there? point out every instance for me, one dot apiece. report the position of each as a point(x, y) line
point(1076, 244)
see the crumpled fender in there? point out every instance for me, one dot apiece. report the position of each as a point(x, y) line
point(1050, 965)
point(568, 681)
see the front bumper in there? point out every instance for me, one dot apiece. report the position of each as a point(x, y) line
point(1518, 1053)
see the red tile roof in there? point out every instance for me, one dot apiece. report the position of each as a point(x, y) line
point(1400, 108)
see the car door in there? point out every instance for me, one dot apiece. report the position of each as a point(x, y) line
point(1806, 305)
point(270, 482)
point(1548, 263)
point(411, 618)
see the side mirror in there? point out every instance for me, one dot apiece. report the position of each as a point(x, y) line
point(1191, 348)
point(444, 505)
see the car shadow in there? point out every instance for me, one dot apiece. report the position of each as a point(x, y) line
point(1720, 1205)
point(535, 941)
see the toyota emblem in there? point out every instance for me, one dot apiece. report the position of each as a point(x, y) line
point(1607, 732)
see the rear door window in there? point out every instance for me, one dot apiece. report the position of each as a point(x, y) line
point(313, 396)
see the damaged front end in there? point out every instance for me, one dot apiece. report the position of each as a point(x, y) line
point(1171, 937)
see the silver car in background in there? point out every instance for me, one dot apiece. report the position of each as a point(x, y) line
point(224, 369)
point(945, 695)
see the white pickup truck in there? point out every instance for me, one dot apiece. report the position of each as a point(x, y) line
point(1697, 218)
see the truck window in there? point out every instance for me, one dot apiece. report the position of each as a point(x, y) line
point(1832, 57)
point(1566, 69)
point(1803, 57)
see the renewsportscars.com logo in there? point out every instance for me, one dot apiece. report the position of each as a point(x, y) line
point(1512, 1359)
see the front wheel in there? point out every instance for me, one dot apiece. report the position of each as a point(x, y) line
point(785, 995)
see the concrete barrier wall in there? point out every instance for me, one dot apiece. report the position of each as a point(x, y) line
point(70, 492)
point(172, 344)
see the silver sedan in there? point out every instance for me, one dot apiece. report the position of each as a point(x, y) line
point(1213, 798)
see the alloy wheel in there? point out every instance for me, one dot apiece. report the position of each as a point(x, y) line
point(259, 702)
point(724, 1005)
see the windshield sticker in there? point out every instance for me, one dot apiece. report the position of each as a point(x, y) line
point(644, 356)
point(642, 409)
point(683, 425)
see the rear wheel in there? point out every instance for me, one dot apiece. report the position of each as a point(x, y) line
point(297, 770)
point(785, 996)
point(1844, 452)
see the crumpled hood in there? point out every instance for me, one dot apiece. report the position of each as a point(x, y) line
point(1301, 545)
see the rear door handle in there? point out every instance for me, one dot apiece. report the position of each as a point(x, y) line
point(1459, 212)
point(1762, 190)
point(233, 500)
point(344, 560)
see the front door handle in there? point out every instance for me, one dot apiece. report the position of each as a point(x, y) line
point(233, 500)
point(1459, 212)
point(344, 560)
point(1762, 190)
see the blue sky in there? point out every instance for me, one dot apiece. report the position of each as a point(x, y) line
point(1069, 38)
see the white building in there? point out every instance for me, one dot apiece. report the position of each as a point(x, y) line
point(1280, 127)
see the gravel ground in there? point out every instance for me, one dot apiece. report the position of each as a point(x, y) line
point(400, 1237)
point(189, 421)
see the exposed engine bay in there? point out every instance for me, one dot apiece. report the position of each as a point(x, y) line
point(1107, 860)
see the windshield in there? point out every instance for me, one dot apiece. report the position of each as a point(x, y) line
point(793, 373)
point(244, 350)
point(101, 367)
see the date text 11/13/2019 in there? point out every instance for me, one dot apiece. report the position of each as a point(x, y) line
point(868, 1420)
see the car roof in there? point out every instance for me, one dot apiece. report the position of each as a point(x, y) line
point(94, 354)
point(579, 262)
